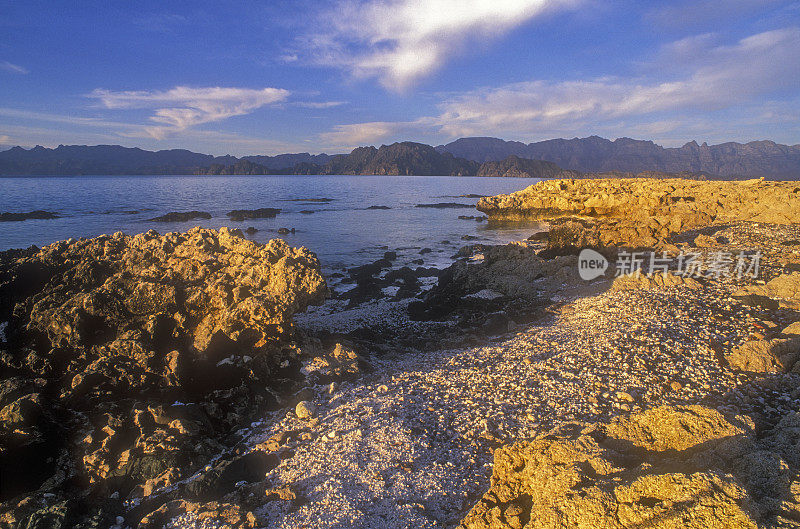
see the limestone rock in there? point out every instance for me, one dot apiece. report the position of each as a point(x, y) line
point(151, 348)
point(682, 203)
point(667, 467)
point(305, 409)
point(784, 289)
point(766, 356)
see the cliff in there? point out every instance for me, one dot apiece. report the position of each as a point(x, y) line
point(517, 167)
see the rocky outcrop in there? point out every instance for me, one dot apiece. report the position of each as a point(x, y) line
point(769, 354)
point(677, 203)
point(127, 361)
point(783, 291)
point(571, 234)
point(516, 167)
point(688, 467)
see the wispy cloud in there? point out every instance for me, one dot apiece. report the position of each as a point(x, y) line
point(5, 139)
point(319, 104)
point(400, 41)
point(361, 133)
point(13, 68)
point(719, 78)
point(183, 107)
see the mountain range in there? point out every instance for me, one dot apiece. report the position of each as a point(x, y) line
point(466, 156)
point(597, 155)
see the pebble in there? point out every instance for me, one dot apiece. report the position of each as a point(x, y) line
point(305, 409)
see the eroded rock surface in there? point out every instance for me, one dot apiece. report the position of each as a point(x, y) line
point(128, 360)
point(680, 204)
point(688, 467)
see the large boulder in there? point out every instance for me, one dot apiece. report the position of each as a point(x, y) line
point(668, 467)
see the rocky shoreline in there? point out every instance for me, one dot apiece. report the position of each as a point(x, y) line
point(170, 381)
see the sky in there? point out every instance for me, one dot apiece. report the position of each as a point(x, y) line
point(224, 77)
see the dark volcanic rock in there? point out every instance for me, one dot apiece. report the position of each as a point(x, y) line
point(379, 207)
point(182, 216)
point(248, 214)
point(17, 217)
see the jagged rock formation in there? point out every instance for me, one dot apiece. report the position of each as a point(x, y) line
point(517, 167)
point(127, 360)
point(687, 467)
point(596, 155)
point(679, 204)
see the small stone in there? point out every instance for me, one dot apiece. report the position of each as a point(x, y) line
point(305, 409)
point(383, 388)
point(624, 396)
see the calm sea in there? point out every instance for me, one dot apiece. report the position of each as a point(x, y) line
point(343, 232)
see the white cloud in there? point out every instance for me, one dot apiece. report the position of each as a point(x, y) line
point(183, 107)
point(721, 77)
point(400, 41)
point(360, 133)
point(13, 68)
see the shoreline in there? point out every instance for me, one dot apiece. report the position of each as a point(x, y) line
point(394, 404)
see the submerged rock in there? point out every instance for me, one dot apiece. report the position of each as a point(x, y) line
point(18, 217)
point(446, 205)
point(239, 215)
point(182, 216)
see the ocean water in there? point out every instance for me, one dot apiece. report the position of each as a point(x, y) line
point(343, 232)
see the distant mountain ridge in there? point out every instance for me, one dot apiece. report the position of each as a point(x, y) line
point(466, 156)
point(118, 160)
point(595, 155)
point(403, 158)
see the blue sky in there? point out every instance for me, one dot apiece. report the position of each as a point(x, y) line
point(292, 76)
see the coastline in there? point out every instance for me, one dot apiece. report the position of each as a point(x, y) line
point(399, 420)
